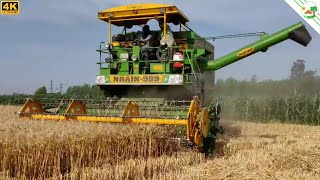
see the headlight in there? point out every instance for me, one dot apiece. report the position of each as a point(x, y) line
point(124, 56)
point(134, 57)
point(175, 79)
point(100, 79)
point(106, 45)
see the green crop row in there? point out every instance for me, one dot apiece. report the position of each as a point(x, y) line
point(16, 99)
point(294, 109)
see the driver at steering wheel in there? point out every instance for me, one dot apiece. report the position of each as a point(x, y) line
point(146, 38)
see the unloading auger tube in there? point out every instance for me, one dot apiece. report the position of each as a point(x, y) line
point(297, 33)
point(202, 124)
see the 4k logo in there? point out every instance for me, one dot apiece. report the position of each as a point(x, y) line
point(10, 7)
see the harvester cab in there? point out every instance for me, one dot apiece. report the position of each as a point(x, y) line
point(163, 65)
point(167, 87)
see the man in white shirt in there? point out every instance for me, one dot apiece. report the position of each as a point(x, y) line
point(169, 35)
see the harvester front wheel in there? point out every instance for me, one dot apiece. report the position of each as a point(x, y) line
point(205, 122)
point(198, 139)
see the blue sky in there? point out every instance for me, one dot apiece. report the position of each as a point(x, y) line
point(56, 40)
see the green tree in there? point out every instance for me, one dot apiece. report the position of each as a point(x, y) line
point(303, 82)
point(297, 69)
point(254, 79)
point(41, 91)
point(314, 9)
point(84, 91)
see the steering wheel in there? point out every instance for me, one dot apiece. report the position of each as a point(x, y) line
point(162, 53)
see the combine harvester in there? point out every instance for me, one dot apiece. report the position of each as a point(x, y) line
point(168, 87)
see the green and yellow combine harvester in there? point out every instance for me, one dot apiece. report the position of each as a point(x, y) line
point(164, 86)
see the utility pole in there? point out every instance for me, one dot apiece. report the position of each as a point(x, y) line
point(51, 86)
point(61, 88)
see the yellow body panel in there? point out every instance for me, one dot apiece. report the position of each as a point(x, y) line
point(139, 14)
point(49, 117)
point(181, 122)
point(137, 79)
point(115, 44)
point(136, 7)
point(100, 119)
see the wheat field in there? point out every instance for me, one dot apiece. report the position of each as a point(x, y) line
point(32, 149)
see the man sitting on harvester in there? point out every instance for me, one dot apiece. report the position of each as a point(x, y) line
point(169, 40)
point(147, 40)
point(145, 49)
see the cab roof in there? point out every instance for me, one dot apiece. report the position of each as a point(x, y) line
point(139, 14)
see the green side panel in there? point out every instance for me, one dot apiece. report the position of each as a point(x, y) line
point(104, 72)
point(136, 66)
point(124, 68)
point(168, 68)
point(200, 52)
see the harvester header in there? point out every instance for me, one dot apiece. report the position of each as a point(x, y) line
point(197, 119)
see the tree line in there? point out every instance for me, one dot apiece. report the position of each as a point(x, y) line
point(300, 82)
point(85, 91)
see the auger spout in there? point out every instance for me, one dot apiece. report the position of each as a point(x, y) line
point(297, 33)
